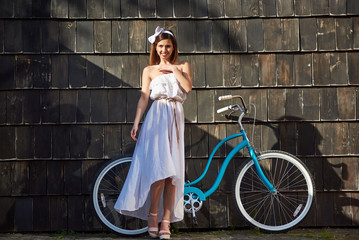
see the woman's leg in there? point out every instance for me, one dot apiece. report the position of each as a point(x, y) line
point(168, 201)
point(155, 194)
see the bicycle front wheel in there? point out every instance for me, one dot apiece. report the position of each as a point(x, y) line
point(279, 211)
point(105, 191)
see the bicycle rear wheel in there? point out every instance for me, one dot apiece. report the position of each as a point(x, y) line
point(280, 211)
point(105, 191)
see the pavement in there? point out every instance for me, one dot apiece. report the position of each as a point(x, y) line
point(296, 234)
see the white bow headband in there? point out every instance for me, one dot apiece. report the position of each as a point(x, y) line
point(158, 31)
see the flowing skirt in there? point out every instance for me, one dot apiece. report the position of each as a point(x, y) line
point(159, 154)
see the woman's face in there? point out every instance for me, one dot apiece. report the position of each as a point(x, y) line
point(165, 49)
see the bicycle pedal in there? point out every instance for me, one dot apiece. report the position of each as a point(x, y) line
point(195, 222)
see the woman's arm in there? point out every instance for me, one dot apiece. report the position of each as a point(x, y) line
point(142, 102)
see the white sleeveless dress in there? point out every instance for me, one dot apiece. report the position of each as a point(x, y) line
point(159, 152)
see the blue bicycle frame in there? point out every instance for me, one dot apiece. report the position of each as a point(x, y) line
point(245, 143)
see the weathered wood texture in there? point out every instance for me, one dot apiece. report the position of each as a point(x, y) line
point(70, 78)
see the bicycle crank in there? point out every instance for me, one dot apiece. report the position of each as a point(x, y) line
point(192, 204)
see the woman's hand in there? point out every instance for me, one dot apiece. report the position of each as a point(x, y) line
point(133, 132)
point(168, 68)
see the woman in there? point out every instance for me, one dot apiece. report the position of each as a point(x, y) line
point(157, 167)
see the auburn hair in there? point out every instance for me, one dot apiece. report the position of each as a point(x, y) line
point(154, 58)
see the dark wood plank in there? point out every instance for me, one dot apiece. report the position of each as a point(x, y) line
point(13, 38)
point(337, 7)
point(19, 178)
point(249, 70)
point(60, 71)
point(199, 8)
point(41, 71)
point(285, 8)
point(61, 142)
point(3, 103)
point(272, 29)
point(218, 210)
point(68, 106)
point(203, 36)
point(215, 9)
point(290, 35)
point(83, 106)
point(31, 36)
point(59, 8)
point(191, 107)
point(79, 141)
point(72, 177)
point(303, 7)
point(147, 8)
point(25, 142)
point(76, 213)
point(338, 68)
point(267, 8)
point(95, 142)
point(5, 180)
point(164, 8)
point(85, 37)
point(77, 71)
point(113, 71)
point(50, 106)
point(23, 214)
point(49, 36)
point(131, 72)
point(7, 213)
point(112, 140)
point(14, 107)
point(58, 212)
point(231, 70)
point(120, 36)
point(41, 8)
point(55, 178)
point(237, 36)
point(306, 139)
point(302, 69)
point(329, 104)
point(182, 8)
point(220, 36)
point(95, 71)
point(308, 34)
point(311, 104)
point(129, 9)
point(32, 111)
point(7, 72)
point(250, 8)
point(233, 8)
point(102, 36)
point(137, 36)
point(37, 178)
point(326, 34)
point(43, 142)
point(320, 7)
point(255, 36)
point(285, 72)
point(186, 36)
point(321, 70)
point(99, 106)
point(116, 105)
point(112, 9)
point(276, 104)
point(95, 9)
point(267, 70)
point(214, 71)
point(199, 138)
point(41, 213)
point(77, 9)
point(67, 36)
point(354, 137)
point(205, 101)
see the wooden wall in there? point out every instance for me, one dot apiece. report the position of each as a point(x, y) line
point(70, 78)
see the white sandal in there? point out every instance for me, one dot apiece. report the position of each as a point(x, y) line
point(165, 234)
point(151, 230)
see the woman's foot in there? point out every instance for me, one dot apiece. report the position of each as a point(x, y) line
point(165, 232)
point(152, 225)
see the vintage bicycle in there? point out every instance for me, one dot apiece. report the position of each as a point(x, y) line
point(273, 190)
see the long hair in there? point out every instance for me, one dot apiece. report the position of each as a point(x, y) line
point(154, 58)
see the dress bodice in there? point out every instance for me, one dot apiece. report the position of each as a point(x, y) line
point(166, 86)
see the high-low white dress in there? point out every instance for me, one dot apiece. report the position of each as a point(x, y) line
point(159, 152)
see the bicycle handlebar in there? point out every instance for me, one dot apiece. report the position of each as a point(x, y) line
point(228, 97)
